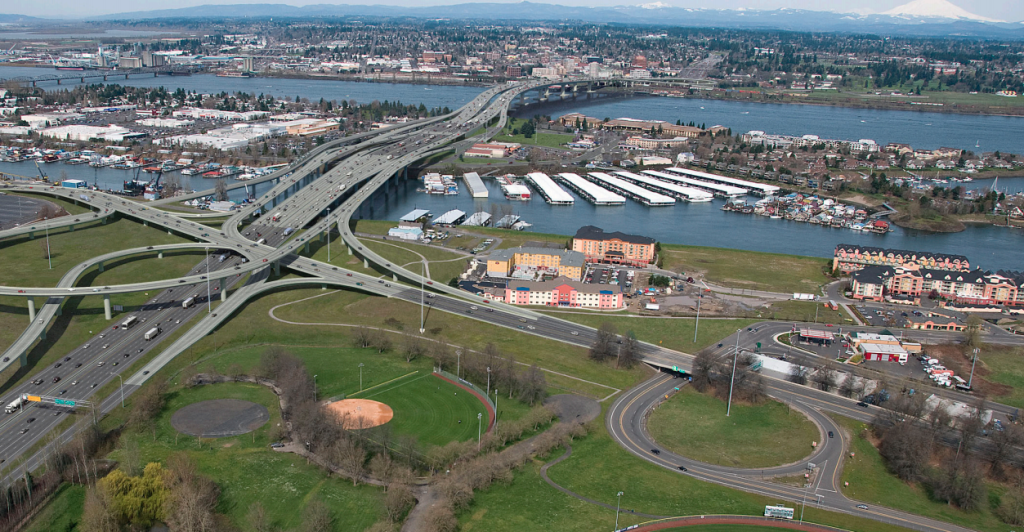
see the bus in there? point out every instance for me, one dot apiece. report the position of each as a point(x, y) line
point(132, 320)
point(288, 231)
point(778, 512)
point(832, 305)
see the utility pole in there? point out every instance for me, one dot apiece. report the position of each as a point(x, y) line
point(735, 355)
point(495, 407)
point(696, 326)
point(488, 380)
point(209, 302)
point(314, 388)
point(971, 380)
point(479, 426)
point(458, 363)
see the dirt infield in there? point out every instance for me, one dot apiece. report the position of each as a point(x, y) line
point(220, 418)
point(361, 413)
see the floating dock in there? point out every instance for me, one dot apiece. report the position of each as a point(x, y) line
point(718, 189)
point(506, 222)
point(693, 195)
point(640, 194)
point(552, 193)
point(415, 215)
point(450, 218)
point(476, 187)
point(477, 219)
point(759, 189)
point(590, 191)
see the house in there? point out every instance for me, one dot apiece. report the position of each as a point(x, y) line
point(564, 292)
point(614, 248)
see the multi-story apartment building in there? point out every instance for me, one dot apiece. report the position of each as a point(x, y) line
point(505, 262)
point(849, 258)
point(614, 248)
point(564, 292)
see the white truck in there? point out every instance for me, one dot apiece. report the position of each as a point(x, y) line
point(152, 333)
point(188, 302)
point(15, 404)
point(276, 217)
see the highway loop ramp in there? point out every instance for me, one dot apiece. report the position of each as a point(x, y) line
point(355, 414)
point(220, 418)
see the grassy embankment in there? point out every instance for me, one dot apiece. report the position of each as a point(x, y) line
point(548, 140)
point(870, 482)
point(694, 425)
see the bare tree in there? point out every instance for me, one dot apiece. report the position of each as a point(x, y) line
point(704, 370)
point(906, 448)
point(381, 341)
point(441, 518)
point(532, 385)
point(98, 511)
point(413, 347)
point(382, 467)
point(825, 377)
point(189, 506)
point(363, 336)
point(798, 375)
point(441, 352)
point(606, 344)
point(1004, 442)
point(629, 351)
point(397, 502)
point(257, 518)
point(962, 483)
point(317, 517)
point(850, 386)
point(131, 459)
point(220, 190)
point(351, 457)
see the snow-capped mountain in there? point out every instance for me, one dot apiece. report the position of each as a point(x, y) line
point(935, 9)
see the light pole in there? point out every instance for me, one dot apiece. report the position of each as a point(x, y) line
point(122, 387)
point(423, 272)
point(488, 380)
point(458, 363)
point(314, 388)
point(328, 234)
point(700, 296)
point(735, 355)
point(971, 379)
point(47, 228)
point(479, 426)
point(209, 301)
point(618, 500)
point(360, 376)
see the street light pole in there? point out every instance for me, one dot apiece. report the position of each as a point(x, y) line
point(314, 388)
point(488, 380)
point(209, 301)
point(495, 407)
point(479, 426)
point(971, 380)
point(458, 363)
point(697, 325)
point(423, 272)
point(360, 376)
point(735, 355)
point(48, 261)
point(618, 500)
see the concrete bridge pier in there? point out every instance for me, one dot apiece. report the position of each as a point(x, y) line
point(223, 290)
point(366, 264)
point(323, 286)
point(277, 268)
point(99, 266)
point(349, 248)
point(323, 235)
point(60, 309)
point(23, 358)
point(305, 247)
point(106, 307)
point(160, 255)
point(394, 277)
point(31, 310)
point(32, 234)
point(145, 223)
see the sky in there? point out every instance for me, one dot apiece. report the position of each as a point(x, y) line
point(1008, 10)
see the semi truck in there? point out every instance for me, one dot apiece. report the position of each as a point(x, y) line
point(15, 404)
point(188, 302)
point(152, 333)
point(132, 320)
point(288, 231)
point(276, 217)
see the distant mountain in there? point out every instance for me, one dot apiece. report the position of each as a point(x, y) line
point(18, 19)
point(935, 9)
point(916, 18)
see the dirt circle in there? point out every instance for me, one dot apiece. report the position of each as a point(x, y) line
point(360, 413)
point(220, 418)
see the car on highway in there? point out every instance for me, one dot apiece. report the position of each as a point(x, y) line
point(93, 385)
point(830, 434)
point(23, 431)
point(78, 365)
point(683, 468)
point(56, 379)
point(862, 404)
point(101, 364)
point(862, 506)
point(29, 420)
point(73, 383)
point(656, 451)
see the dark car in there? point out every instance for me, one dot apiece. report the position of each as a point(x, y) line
point(56, 379)
point(682, 468)
point(656, 451)
point(862, 404)
point(830, 434)
point(29, 420)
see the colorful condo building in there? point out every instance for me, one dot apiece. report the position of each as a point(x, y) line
point(849, 258)
point(525, 261)
point(564, 292)
point(614, 248)
point(909, 283)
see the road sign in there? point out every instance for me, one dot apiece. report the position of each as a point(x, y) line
point(65, 402)
point(675, 368)
point(33, 398)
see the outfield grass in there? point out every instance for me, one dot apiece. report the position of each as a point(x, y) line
point(25, 261)
point(62, 513)
point(673, 333)
point(755, 270)
point(247, 471)
point(549, 140)
point(387, 378)
point(871, 482)
point(694, 425)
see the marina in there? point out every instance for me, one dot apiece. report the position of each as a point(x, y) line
point(689, 194)
point(757, 189)
point(589, 191)
point(640, 194)
point(451, 218)
point(719, 190)
point(475, 185)
point(549, 190)
point(478, 219)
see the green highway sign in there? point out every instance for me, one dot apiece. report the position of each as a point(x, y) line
point(675, 368)
point(65, 402)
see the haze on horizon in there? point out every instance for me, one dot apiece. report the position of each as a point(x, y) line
point(1007, 10)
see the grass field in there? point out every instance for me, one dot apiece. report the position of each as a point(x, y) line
point(444, 265)
point(62, 513)
point(407, 387)
point(772, 272)
point(25, 261)
point(246, 470)
point(673, 333)
point(147, 267)
point(549, 140)
point(872, 483)
point(1004, 367)
point(694, 425)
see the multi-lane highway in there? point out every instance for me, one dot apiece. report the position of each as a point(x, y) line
point(316, 194)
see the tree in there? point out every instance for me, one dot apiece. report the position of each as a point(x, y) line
point(397, 502)
point(629, 352)
point(972, 331)
point(98, 512)
point(441, 518)
point(604, 346)
point(414, 347)
point(350, 456)
point(192, 497)
point(825, 377)
point(703, 370)
point(317, 517)
point(532, 385)
point(363, 336)
point(906, 448)
point(147, 404)
point(382, 467)
point(220, 190)
point(257, 518)
point(961, 483)
point(798, 375)
point(1003, 444)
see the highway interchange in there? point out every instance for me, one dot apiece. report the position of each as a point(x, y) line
point(313, 197)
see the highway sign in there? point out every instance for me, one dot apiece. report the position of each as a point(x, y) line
point(65, 402)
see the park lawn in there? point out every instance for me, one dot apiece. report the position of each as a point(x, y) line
point(870, 482)
point(63, 513)
point(430, 408)
point(444, 265)
point(550, 140)
point(339, 255)
point(72, 207)
point(694, 425)
point(345, 307)
point(806, 311)
point(247, 470)
point(25, 261)
point(773, 272)
point(147, 267)
point(672, 333)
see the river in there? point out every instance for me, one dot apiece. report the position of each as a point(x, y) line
point(697, 224)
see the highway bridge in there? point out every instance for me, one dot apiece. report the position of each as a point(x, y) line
point(314, 195)
point(59, 76)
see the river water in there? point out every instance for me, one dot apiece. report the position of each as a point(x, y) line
point(697, 224)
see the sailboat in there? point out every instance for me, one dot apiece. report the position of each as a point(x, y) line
point(977, 144)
